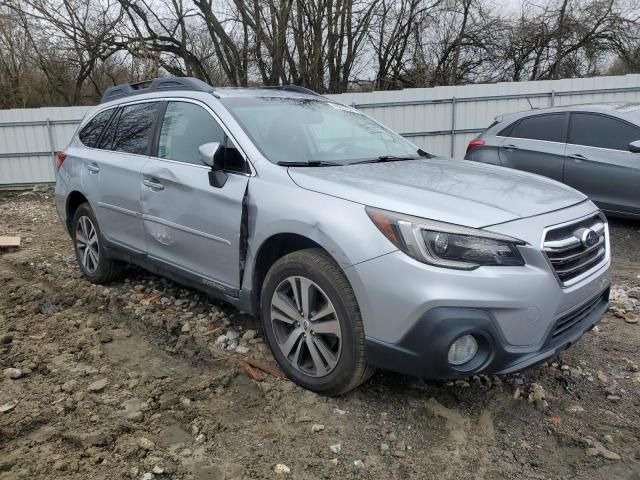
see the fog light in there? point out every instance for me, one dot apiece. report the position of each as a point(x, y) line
point(463, 350)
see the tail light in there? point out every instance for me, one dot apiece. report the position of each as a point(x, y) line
point(60, 157)
point(474, 143)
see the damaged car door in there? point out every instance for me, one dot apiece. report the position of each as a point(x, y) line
point(191, 226)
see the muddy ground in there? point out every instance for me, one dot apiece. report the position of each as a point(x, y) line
point(127, 381)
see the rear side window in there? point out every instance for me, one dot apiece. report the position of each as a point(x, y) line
point(90, 134)
point(550, 128)
point(185, 127)
point(134, 128)
point(601, 131)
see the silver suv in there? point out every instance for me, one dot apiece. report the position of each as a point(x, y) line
point(357, 249)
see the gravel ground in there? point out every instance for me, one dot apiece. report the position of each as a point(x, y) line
point(144, 379)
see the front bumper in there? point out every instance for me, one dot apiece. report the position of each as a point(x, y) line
point(423, 350)
point(412, 312)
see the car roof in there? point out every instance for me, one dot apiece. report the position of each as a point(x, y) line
point(629, 110)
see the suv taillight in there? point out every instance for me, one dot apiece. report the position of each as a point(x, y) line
point(474, 143)
point(60, 156)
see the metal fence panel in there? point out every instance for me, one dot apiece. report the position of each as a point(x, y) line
point(440, 120)
point(29, 138)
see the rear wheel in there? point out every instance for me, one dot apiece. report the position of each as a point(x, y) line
point(312, 323)
point(87, 240)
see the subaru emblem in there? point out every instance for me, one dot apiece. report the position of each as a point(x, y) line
point(589, 238)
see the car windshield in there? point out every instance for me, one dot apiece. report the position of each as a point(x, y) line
point(315, 132)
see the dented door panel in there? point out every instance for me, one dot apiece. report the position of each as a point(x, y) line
point(191, 225)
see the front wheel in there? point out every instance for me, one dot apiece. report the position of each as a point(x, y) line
point(312, 323)
point(87, 240)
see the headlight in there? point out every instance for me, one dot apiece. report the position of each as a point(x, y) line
point(445, 244)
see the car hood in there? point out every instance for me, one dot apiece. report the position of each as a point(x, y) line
point(454, 191)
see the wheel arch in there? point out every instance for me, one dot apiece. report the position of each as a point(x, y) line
point(74, 200)
point(274, 248)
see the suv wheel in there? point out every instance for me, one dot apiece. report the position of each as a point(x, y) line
point(87, 241)
point(312, 323)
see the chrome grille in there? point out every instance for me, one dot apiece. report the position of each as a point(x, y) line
point(578, 248)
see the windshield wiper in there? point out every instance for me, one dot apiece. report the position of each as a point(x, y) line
point(311, 163)
point(385, 158)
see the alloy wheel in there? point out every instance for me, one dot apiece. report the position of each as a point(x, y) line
point(87, 244)
point(306, 326)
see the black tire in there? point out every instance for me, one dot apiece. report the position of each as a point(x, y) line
point(107, 269)
point(316, 265)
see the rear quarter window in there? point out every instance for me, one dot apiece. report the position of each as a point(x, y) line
point(90, 133)
point(134, 129)
point(549, 128)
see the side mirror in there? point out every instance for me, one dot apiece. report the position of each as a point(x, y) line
point(212, 155)
point(634, 147)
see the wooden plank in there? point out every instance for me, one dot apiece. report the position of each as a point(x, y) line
point(9, 242)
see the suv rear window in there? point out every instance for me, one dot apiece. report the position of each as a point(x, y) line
point(134, 128)
point(90, 134)
point(601, 131)
point(550, 128)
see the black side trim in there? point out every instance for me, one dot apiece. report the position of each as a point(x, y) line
point(233, 296)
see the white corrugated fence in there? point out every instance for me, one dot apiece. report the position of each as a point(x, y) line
point(440, 120)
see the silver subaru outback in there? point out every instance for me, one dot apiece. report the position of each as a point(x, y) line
point(357, 249)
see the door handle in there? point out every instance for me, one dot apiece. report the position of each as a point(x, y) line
point(93, 167)
point(153, 185)
point(577, 156)
point(510, 147)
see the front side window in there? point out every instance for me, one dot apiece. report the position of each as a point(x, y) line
point(134, 128)
point(185, 128)
point(550, 128)
point(600, 131)
point(305, 130)
point(90, 133)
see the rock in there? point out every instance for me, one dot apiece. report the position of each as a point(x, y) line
point(603, 377)
point(186, 327)
point(462, 384)
point(201, 438)
point(339, 412)
point(317, 427)
point(12, 373)
point(336, 448)
point(575, 409)
point(517, 393)
point(105, 337)
point(600, 450)
point(242, 350)
point(7, 407)
point(537, 396)
point(333, 461)
point(399, 453)
point(221, 340)
point(631, 319)
point(232, 335)
point(249, 335)
point(6, 339)
point(98, 385)
point(358, 463)
point(147, 476)
point(157, 470)
point(146, 444)
point(281, 469)
point(69, 386)
point(608, 438)
point(384, 448)
point(613, 398)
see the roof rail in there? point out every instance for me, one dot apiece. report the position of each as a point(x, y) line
point(155, 85)
point(292, 88)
